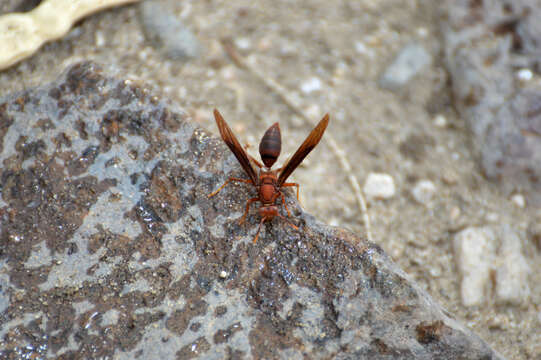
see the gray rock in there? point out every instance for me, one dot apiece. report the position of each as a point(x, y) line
point(8, 6)
point(165, 32)
point(485, 45)
point(492, 266)
point(512, 273)
point(475, 249)
point(111, 186)
point(411, 60)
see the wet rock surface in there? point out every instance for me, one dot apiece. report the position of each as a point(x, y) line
point(492, 52)
point(110, 246)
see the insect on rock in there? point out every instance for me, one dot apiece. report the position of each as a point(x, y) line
point(268, 182)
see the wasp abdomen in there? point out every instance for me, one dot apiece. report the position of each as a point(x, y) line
point(271, 145)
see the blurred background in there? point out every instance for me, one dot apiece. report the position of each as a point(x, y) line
point(435, 106)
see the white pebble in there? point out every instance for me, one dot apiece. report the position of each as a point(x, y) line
point(422, 32)
point(99, 39)
point(312, 84)
point(223, 274)
point(361, 48)
point(243, 43)
point(379, 186)
point(440, 121)
point(228, 72)
point(492, 217)
point(474, 254)
point(423, 191)
point(524, 74)
point(512, 273)
point(519, 200)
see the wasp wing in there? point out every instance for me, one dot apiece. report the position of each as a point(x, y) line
point(308, 145)
point(235, 147)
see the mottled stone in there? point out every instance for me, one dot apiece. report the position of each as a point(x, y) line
point(110, 247)
point(485, 43)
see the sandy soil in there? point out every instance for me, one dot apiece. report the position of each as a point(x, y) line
point(346, 45)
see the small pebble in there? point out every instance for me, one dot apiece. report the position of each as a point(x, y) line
point(361, 48)
point(440, 121)
point(435, 272)
point(519, 200)
point(524, 74)
point(379, 186)
point(449, 177)
point(99, 39)
point(411, 60)
point(512, 273)
point(340, 70)
point(223, 274)
point(228, 72)
point(474, 255)
point(243, 43)
point(334, 221)
point(422, 32)
point(454, 213)
point(166, 32)
point(311, 85)
point(499, 321)
point(264, 44)
point(423, 191)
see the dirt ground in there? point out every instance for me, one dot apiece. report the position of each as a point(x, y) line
point(346, 45)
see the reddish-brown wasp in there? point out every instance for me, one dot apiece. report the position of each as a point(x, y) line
point(268, 182)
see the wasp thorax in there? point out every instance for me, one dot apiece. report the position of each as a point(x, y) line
point(270, 145)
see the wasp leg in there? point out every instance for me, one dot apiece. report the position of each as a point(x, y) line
point(250, 201)
point(247, 181)
point(288, 222)
point(259, 229)
point(292, 184)
point(258, 164)
point(284, 203)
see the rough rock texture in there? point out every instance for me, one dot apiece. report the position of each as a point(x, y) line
point(487, 44)
point(110, 246)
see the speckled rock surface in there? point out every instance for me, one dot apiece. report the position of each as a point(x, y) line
point(492, 52)
point(109, 246)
